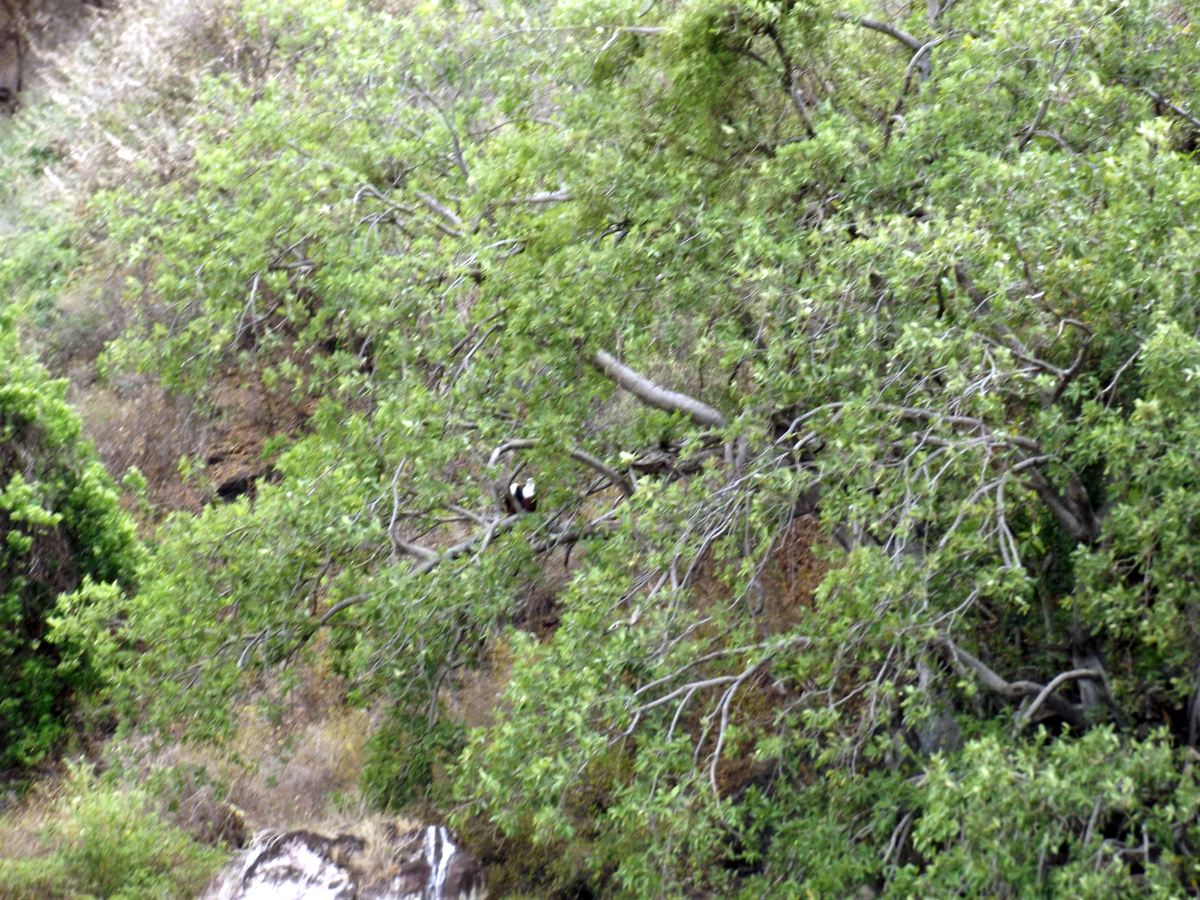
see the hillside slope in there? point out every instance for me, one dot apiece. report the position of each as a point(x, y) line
point(852, 350)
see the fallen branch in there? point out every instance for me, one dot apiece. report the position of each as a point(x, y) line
point(653, 395)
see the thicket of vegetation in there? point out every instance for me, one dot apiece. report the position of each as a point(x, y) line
point(99, 841)
point(853, 347)
point(62, 529)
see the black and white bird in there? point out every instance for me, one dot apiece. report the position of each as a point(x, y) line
point(520, 497)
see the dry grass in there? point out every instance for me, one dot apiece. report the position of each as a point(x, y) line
point(114, 102)
point(114, 106)
point(376, 862)
point(307, 773)
point(793, 573)
point(110, 94)
point(137, 423)
point(297, 768)
point(22, 824)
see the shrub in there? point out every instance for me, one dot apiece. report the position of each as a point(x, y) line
point(60, 524)
point(106, 841)
point(402, 758)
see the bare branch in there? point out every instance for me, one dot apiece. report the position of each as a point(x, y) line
point(1016, 690)
point(653, 395)
point(1012, 690)
point(600, 527)
point(455, 144)
point(338, 607)
point(542, 198)
point(723, 729)
point(788, 79)
point(1110, 391)
point(494, 527)
point(1055, 684)
point(466, 513)
point(1069, 375)
point(509, 446)
point(883, 28)
point(444, 211)
point(623, 482)
point(1057, 138)
point(1073, 515)
point(1032, 129)
point(1178, 110)
point(929, 415)
point(415, 549)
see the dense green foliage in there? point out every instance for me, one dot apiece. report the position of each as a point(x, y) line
point(935, 288)
point(111, 843)
point(61, 526)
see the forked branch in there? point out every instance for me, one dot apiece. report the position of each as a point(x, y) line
point(1044, 695)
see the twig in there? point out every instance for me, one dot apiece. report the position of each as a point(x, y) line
point(1068, 376)
point(1110, 391)
point(1033, 126)
point(455, 144)
point(391, 529)
point(1178, 110)
point(788, 80)
point(623, 482)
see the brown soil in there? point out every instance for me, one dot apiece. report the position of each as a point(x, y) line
point(135, 422)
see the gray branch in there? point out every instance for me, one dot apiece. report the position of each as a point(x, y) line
point(623, 482)
point(1016, 690)
point(1173, 107)
point(653, 395)
point(883, 28)
point(462, 547)
point(1054, 685)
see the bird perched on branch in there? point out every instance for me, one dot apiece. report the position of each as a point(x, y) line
point(520, 497)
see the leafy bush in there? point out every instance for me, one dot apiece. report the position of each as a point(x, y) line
point(1088, 812)
point(61, 526)
point(105, 841)
point(402, 759)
